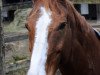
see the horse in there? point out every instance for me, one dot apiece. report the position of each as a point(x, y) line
point(60, 38)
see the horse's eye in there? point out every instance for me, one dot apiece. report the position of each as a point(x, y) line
point(61, 26)
point(26, 25)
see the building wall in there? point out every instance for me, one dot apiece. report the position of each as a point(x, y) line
point(0, 2)
point(5, 2)
point(98, 11)
point(90, 11)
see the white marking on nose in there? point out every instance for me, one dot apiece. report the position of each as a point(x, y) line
point(39, 54)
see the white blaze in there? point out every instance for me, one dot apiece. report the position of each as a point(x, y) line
point(39, 54)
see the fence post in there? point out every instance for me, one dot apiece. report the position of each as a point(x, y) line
point(2, 51)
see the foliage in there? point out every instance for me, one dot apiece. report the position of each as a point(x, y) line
point(18, 23)
point(17, 58)
point(21, 71)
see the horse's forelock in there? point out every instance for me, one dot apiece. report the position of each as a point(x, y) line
point(64, 8)
point(54, 5)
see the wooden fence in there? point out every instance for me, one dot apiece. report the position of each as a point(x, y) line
point(6, 39)
point(2, 52)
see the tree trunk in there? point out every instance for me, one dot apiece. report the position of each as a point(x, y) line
point(2, 51)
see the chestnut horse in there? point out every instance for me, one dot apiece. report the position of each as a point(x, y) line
point(60, 38)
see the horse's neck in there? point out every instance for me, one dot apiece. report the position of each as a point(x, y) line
point(77, 20)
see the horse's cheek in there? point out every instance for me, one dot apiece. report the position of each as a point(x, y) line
point(59, 43)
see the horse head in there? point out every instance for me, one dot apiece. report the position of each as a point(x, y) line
point(58, 38)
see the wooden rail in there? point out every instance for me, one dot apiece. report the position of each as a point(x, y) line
point(17, 65)
point(18, 5)
point(2, 52)
point(14, 37)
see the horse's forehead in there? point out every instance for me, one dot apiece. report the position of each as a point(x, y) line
point(42, 14)
point(43, 17)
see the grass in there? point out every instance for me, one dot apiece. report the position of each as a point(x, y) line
point(17, 58)
point(22, 71)
point(19, 21)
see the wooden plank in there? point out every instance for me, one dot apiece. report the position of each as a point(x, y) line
point(86, 1)
point(98, 11)
point(2, 52)
point(20, 5)
point(16, 37)
point(17, 65)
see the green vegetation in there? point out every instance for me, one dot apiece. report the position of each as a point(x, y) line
point(18, 23)
point(22, 71)
point(0, 2)
point(18, 58)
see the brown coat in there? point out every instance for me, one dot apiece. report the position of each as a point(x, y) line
point(73, 45)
